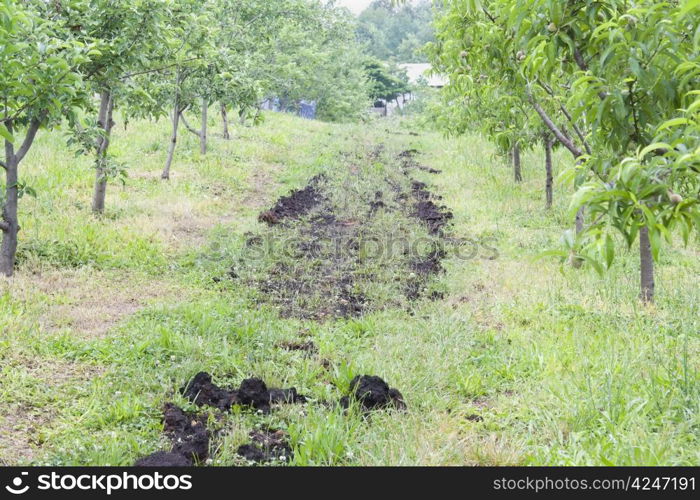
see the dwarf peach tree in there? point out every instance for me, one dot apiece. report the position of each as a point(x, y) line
point(615, 82)
point(39, 83)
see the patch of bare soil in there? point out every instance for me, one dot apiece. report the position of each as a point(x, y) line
point(77, 298)
point(19, 427)
point(296, 204)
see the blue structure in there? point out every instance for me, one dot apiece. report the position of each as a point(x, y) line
point(307, 109)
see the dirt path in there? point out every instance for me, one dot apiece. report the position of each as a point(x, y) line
point(353, 240)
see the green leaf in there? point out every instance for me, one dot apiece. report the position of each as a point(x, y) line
point(673, 123)
point(609, 250)
point(655, 240)
point(653, 147)
point(6, 134)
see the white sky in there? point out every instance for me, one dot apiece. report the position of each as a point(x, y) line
point(356, 6)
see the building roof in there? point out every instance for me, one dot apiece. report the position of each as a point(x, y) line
point(418, 70)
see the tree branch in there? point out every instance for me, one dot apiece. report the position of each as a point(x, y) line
point(4, 226)
point(2, 164)
point(488, 14)
point(156, 70)
point(561, 137)
point(576, 128)
point(187, 126)
point(29, 138)
point(568, 116)
point(583, 66)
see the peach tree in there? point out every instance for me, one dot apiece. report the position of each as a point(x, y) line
point(40, 81)
point(615, 83)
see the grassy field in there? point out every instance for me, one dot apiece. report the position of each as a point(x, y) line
point(521, 362)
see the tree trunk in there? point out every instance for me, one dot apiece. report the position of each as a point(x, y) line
point(173, 141)
point(646, 266)
point(548, 169)
point(575, 260)
point(224, 119)
point(104, 120)
point(10, 225)
point(516, 163)
point(580, 217)
point(203, 131)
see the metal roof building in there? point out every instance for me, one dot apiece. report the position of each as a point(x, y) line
point(421, 71)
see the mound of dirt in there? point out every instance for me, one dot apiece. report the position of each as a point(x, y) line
point(267, 445)
point(187, 432)
point(297, 203)
point(252, 392)
point(435, 217)
point(372, 393)
point(189, 436)
point(202, 392)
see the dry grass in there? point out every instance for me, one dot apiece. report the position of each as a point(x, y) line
point(25, 422)
point(86, 302)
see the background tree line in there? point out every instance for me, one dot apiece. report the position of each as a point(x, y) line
point(397, 32)
point(75, 65)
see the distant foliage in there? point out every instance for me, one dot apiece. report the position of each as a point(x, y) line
point(396, 32)
point(386, 81)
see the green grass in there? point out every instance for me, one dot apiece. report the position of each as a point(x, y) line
point(108, 317)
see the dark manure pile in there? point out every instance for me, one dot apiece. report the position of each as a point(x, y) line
point(294, 205)
point(424, 208)
point(252, 393)
point(267, 445)
point(191, 437)
point(345, 244)
point(371, 393)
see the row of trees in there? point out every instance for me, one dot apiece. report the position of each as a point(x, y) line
point(615, 83)
point(76, 62)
